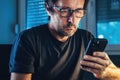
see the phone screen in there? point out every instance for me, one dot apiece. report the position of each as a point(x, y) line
point(96, 44)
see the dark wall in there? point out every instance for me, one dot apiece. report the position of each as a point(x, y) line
point(115, 59)
point(4, 61)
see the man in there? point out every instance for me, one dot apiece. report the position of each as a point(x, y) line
point(53, 51)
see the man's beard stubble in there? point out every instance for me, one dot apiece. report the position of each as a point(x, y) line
point(62, 33)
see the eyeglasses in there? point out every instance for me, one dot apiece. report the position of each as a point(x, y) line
point(67, 12)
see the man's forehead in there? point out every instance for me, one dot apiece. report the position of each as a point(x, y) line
point(70, 3)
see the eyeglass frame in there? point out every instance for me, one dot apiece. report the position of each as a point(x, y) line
point(69, 10)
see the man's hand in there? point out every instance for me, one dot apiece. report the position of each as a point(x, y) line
point(101, 66)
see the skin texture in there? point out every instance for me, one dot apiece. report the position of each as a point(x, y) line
point(59, 26)
point(19, 76)
point(62, 28)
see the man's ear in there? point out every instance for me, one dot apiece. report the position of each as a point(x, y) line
point(49, 9)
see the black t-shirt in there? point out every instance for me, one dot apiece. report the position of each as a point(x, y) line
point(36, 51)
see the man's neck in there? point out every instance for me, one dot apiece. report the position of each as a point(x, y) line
point(58, 37)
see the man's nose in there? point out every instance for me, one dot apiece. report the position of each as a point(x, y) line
point(71, 18)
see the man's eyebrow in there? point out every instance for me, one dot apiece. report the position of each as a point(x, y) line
point(62, 6)
point(68, 7)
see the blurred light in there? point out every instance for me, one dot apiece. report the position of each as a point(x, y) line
point(101, 36)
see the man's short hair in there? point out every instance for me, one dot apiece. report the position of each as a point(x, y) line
point(52, 2)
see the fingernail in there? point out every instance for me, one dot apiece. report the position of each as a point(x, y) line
point(85, 56)
point(94, 53)
point(80, 61)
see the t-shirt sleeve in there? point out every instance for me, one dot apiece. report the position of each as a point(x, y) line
point(22, 54)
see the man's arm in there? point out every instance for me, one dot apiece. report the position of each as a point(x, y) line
point(20, 76)
point(111, 73)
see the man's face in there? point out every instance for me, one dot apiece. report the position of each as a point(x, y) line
point(66, 26)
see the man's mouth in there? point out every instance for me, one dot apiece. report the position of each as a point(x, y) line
point(69, 28)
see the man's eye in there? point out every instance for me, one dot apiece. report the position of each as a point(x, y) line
point(64, 10)
point(79, 11)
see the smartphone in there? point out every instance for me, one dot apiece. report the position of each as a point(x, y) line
point(95, 44)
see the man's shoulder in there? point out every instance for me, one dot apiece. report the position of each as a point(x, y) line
point(84, 32)
point(84, 35)
point(36, 29)
point(40, 31)
point(39, 28)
